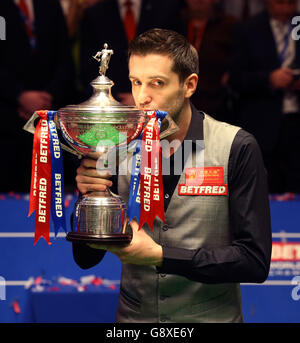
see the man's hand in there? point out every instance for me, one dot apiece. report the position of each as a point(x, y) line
point(31, 101)
point(89, 179)
point(281, 78)
point(141, 250)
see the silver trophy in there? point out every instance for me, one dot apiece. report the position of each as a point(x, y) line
point(95, 128)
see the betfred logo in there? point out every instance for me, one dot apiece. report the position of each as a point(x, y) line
point(202, 190)
point(203, 181)
point(285, 252)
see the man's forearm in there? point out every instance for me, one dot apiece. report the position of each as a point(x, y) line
point(233, 263)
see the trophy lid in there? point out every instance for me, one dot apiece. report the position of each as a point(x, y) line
point(101, 101)
point(101, 120)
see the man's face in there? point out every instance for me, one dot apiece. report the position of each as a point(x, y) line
point(282, 10)
point(154, 85)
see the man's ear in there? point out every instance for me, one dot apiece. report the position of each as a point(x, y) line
point(190, 85)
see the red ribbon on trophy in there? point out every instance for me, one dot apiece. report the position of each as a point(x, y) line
point(151, 183)
point(40, 190)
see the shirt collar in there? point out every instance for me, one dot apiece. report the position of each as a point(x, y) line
point(195, 131)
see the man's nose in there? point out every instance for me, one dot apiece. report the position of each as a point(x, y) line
point(144, 98)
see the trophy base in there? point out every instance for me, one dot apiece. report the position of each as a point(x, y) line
point(105, 239)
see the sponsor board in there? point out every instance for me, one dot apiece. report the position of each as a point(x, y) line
point(285, 260)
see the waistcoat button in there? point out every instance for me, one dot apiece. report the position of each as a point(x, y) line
point(167, 196)
point(165, 227)
point(164, 318)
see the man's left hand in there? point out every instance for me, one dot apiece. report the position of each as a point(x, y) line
point(141, 250)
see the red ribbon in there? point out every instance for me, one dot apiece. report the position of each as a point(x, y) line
point(40, 190)
point(152, 196)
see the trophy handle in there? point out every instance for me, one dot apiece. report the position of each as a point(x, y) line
point(30, 127)
point(170, 129)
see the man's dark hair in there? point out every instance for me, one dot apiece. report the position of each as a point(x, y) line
point(171, 44)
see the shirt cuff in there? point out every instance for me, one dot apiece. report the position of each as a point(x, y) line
point(176, 261)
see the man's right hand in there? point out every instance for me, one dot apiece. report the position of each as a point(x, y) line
point(281, 78)
point(89, 179)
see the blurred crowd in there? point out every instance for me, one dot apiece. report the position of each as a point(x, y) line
point(249, 69)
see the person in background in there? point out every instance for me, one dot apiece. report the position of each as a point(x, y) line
point(117, 22)
point(73, 11)
point(210, 32)
point(265, 73)
point(242, 9)
point(36, 71)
